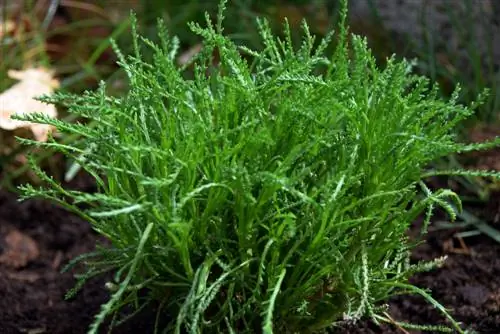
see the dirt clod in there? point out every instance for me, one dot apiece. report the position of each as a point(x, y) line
point(18, 249)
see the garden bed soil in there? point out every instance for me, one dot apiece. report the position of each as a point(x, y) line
point(37, 239)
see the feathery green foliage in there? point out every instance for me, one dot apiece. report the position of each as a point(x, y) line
point(269, 192)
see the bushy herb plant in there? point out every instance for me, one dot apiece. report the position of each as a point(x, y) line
point(267, 191)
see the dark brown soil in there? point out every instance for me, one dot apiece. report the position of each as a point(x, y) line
point(32, 294)
point(37, 239)
point(468, 285)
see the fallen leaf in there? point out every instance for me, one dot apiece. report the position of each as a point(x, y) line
point(6, 28)
point(19, 100)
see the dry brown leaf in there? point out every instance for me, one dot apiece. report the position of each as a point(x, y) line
point(19, 99)
point(6, 28)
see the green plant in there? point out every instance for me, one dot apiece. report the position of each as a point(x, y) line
point(265, 192)
point(467, 59)
point(474, 69)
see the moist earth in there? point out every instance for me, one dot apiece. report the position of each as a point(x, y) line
point(38, 238)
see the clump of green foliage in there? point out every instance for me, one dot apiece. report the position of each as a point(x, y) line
point(268, 191)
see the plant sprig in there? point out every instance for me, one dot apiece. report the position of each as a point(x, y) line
point(270, 190)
